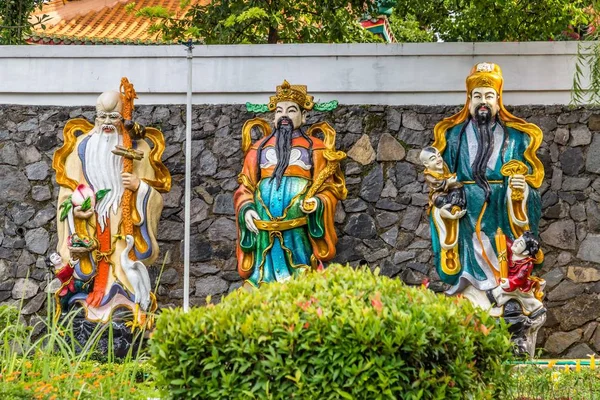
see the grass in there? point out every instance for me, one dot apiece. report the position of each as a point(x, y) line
point(51, 367)
point(535, 383)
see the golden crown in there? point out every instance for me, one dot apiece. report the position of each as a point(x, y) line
point(295, 93)
point(485, 75)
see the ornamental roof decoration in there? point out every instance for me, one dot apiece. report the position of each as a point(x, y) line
point(108, 22)
point(100, 22)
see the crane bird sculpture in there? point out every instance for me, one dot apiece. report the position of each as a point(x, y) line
point(138, 277)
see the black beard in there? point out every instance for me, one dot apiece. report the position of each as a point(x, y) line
point(483, 114)
point(283, 147)
point(484, 132)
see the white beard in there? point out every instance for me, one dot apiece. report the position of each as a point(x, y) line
point(103, 170)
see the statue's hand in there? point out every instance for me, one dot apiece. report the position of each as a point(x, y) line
point(517, 182)
point(128, 124)
point(82, 214)
point(447, 214)
point(130, 181)
point(136, 131)
point(74, 257)
point(504, 284)
point(249, 218)
point(311, 203)
point(451, 180)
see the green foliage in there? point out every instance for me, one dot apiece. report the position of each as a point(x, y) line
point(275, 21)
point(11, 327)
point(532, 382)
point(586, 80)
point(407, 29)
point(15, 23)
point(495, 20)
point(334, 334)
point(49, 366)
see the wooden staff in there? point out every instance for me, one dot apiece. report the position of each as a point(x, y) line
point(127, 95)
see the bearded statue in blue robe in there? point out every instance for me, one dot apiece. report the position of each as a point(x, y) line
point(492, 154)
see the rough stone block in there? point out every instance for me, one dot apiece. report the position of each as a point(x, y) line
point(577, 312)
point(24, 289)
point(592, 161)
point(560, 234)
point(565, 290)
point(361, 226)
point(37, 240)
point(583, 274)
point(560, 341)
point(393, 119)
point(572, 161)
point(580, 136)
point(372, 184)
point(389, 149)
point(362, 151)
point(210, 286)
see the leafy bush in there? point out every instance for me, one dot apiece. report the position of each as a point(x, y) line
point(334, 334)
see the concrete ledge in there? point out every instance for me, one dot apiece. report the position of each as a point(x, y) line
point(423, 73)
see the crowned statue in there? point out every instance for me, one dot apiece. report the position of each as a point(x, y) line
point(109, 206)
point(484, 200)
point(290, 184)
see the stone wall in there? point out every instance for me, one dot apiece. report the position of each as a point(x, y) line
point(382, 222)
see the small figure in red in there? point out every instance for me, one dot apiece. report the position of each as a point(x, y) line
point(521, 254)
point(64, 273)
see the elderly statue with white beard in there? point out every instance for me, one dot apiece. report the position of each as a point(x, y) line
point(109, 208)
point(491, 155)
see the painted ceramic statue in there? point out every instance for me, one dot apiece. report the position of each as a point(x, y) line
point(289, 187)
point(492, 155)
point(109, 206)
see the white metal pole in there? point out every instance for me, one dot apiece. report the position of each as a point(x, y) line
point(188, 183)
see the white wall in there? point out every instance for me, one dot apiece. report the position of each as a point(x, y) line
point(428, 73)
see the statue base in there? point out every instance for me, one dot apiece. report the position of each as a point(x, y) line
point(523, 328)
point(101, 338)
point(522, 311)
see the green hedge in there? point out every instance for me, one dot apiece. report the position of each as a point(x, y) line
point(337, 334)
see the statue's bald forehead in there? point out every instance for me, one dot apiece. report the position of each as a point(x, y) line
point(109, 102)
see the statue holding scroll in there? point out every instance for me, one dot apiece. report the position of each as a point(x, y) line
point(289, 187)
point(109, 206)
point(492, 153)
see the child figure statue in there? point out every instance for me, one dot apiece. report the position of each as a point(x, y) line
point(518, 297)
point(516, 266)
point(444, 190)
